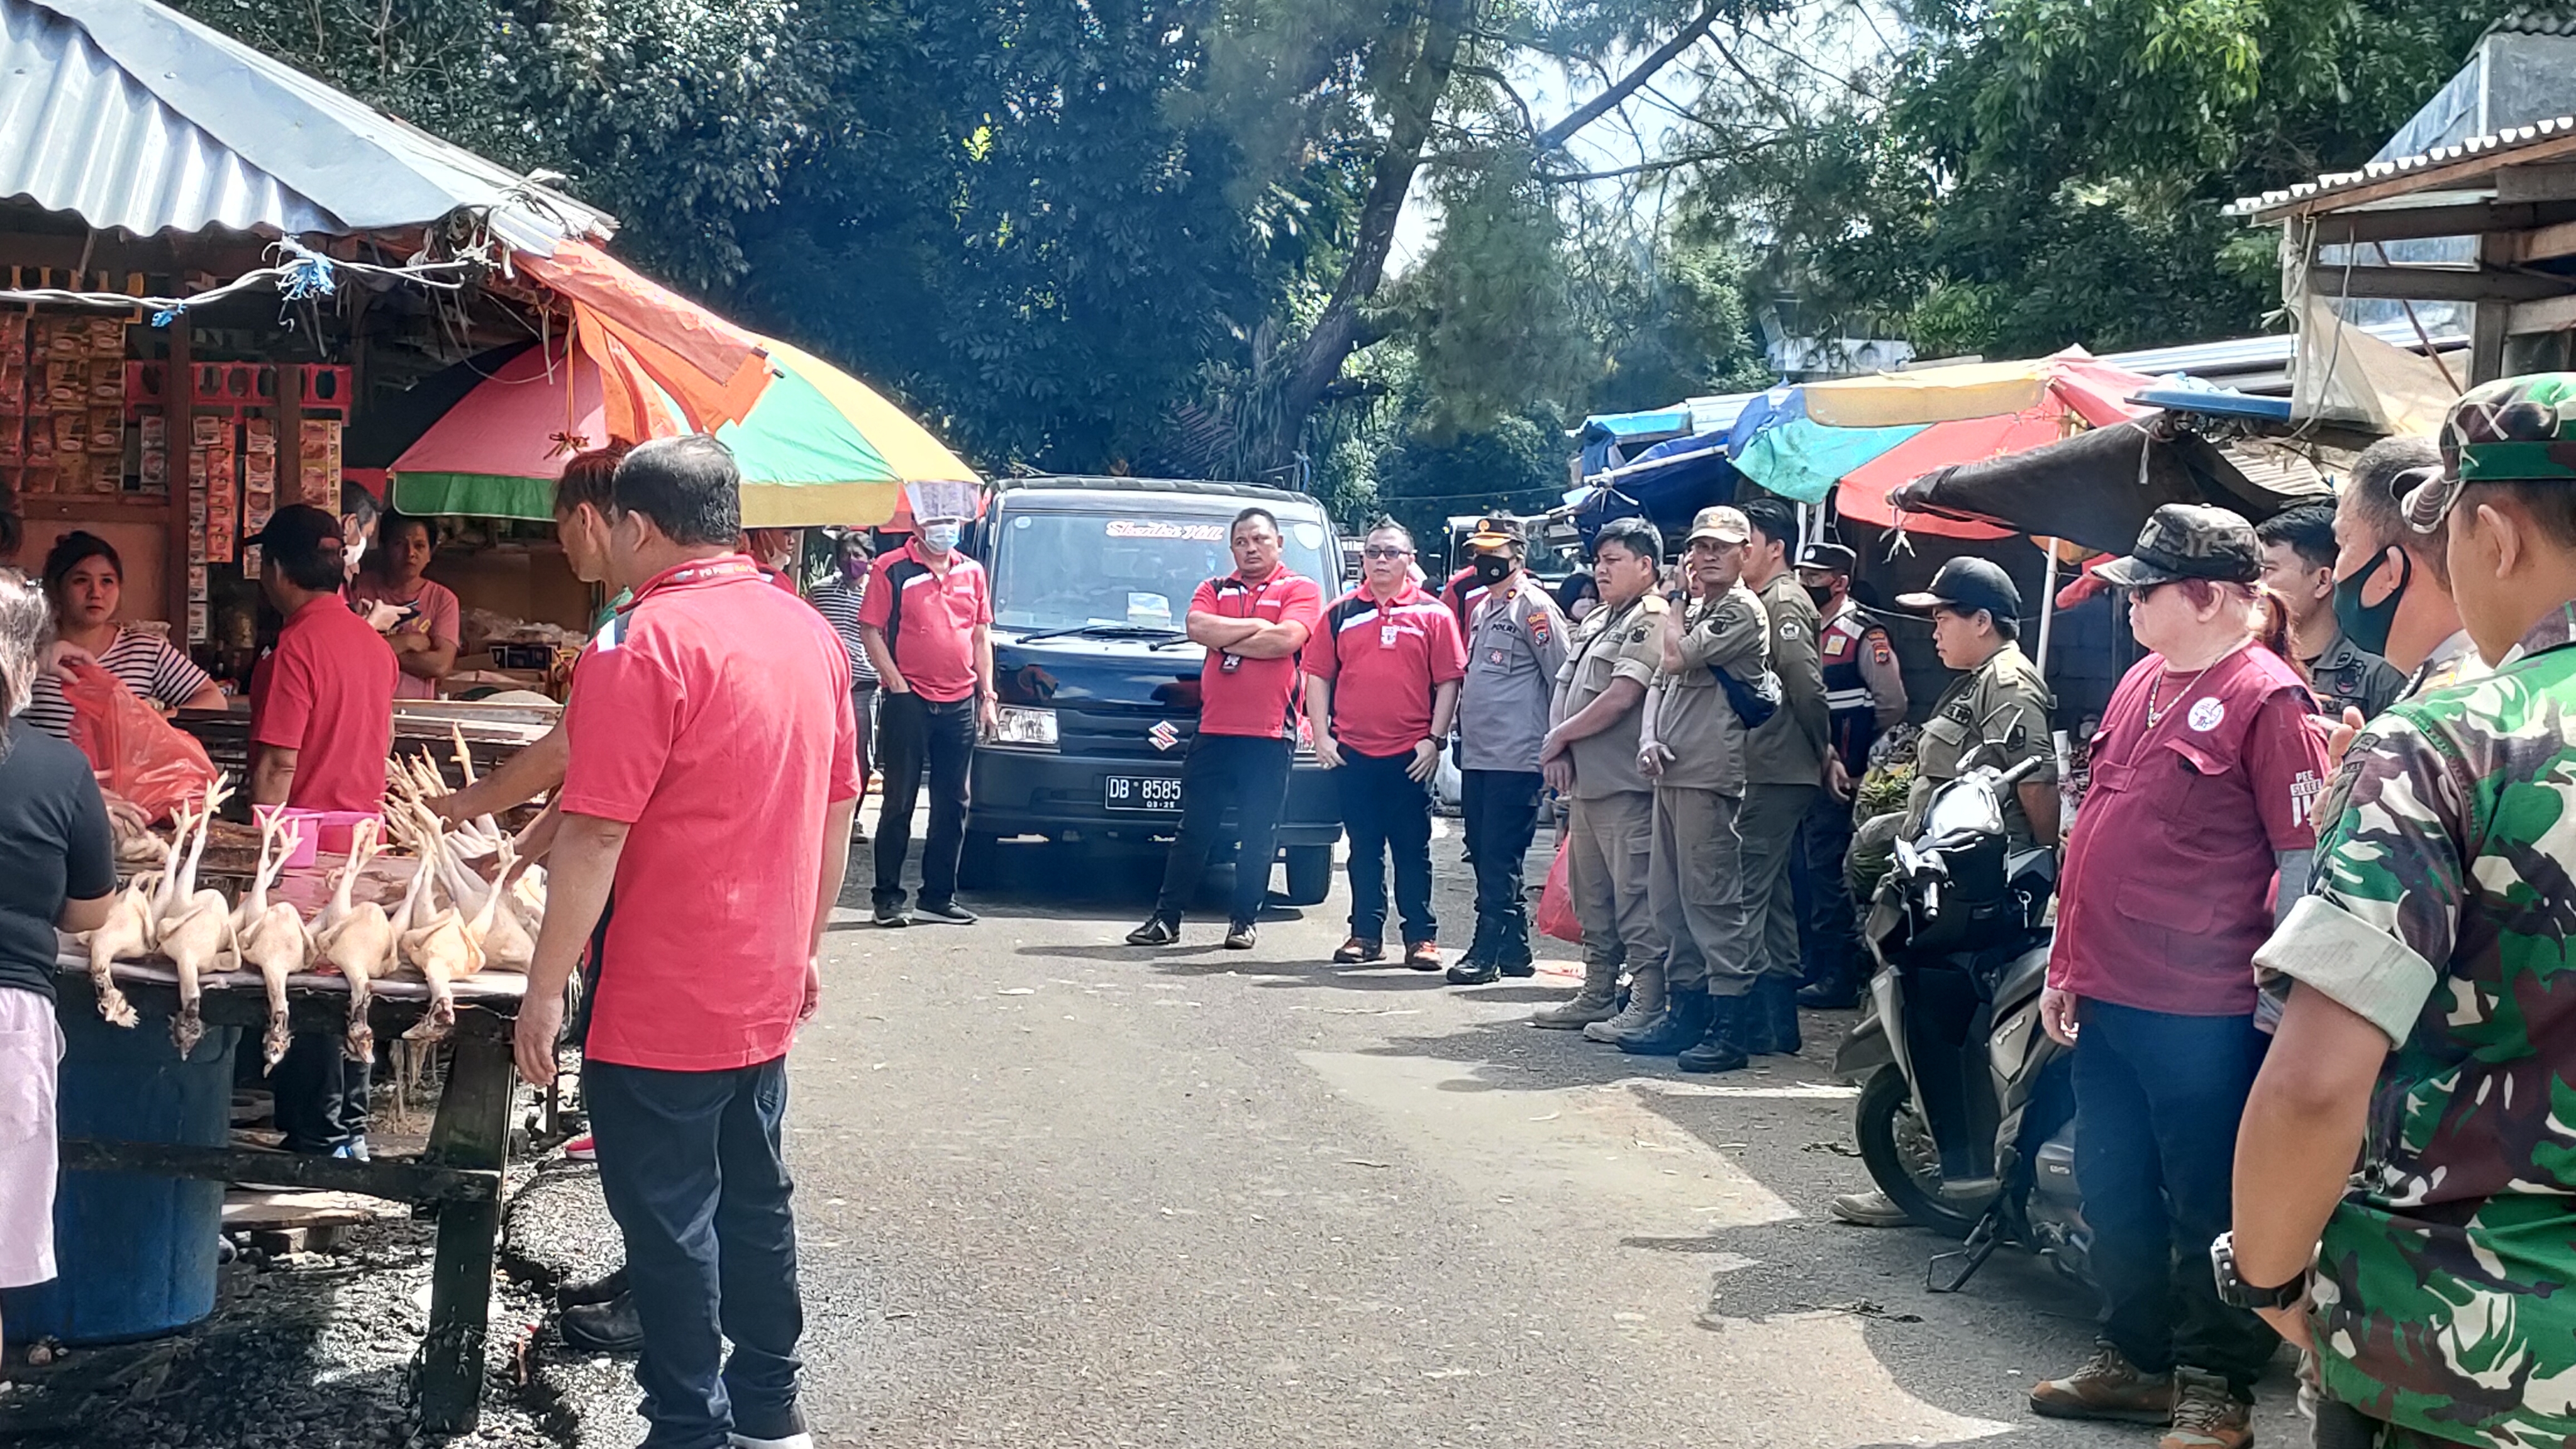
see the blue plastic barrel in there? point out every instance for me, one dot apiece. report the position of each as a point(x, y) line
point(136, 1253)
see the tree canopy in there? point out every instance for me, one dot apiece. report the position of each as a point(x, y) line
point(1162, 235)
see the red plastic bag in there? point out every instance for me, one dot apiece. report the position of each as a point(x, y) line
point(136, 752)
point(1556, 903)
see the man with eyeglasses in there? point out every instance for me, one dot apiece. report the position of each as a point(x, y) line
point(1382, 674)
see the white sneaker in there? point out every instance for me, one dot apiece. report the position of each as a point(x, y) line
point(792, 1441)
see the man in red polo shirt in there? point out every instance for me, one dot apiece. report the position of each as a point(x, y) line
point(711, 782)
point(1252, 622)
point(2194, 838)
point(321, 725)
point(927, 622)
point(1382, 677)
point(321, 707)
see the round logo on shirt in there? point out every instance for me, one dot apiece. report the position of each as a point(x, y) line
point(2206, 712)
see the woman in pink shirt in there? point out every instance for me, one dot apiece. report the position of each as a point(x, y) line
point(425, 639)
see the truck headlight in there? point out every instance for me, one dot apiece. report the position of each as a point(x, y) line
point(1028, 728)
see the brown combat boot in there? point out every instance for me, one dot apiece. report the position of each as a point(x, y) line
point(2107, 1387)
point(2207, 1416)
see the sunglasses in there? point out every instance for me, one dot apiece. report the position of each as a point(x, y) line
point(1381, 550)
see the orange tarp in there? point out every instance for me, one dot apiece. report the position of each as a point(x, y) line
point(627, 324)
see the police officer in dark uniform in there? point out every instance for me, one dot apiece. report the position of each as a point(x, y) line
point(1864, 695)
point(2299, 565)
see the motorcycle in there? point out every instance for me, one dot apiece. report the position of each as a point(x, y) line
point(1966, 1115)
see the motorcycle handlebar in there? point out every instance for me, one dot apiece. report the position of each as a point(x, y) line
point(2022, 771)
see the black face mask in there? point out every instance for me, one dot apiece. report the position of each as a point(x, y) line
point(2367, 625)
point(1491, 568)
point(1823, 596)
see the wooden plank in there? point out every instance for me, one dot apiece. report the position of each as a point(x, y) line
point(2520, 183)
point(2412, 223)
point(390, 1178)
point(2489, 318)
point(2446, 284)
point(2547, 243)
point(247, 1208)
point(2557, 314)
point(471, 1133)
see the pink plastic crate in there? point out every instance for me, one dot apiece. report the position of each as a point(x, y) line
point(316, 830)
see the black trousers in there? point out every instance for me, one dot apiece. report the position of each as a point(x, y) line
point(1384, 809)
point(691, 1166)
point(1249, 773)
point(321, 1095)
point(2157, 1101)
point(915, 735)
point(1829, 929)
point(1501, 809)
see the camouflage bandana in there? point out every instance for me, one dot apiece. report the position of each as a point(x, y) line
point(2188, 541)
point(2516, 429)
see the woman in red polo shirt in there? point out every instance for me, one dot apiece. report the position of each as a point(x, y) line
point(2203, 773)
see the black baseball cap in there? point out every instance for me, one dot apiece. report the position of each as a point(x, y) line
point(1831, 557)
point(298, 530)
point(1967, 585)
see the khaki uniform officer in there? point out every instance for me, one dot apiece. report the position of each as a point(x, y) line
point(2000, 700)
point(1696, 750)
point(1590, 755)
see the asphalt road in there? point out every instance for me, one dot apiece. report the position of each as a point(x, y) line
point(1055, 1190)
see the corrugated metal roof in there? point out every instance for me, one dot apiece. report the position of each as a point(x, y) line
point(2536, 22)
point(141, 120)
point(2499, 144)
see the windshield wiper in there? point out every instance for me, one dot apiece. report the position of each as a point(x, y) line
point(1105, 631)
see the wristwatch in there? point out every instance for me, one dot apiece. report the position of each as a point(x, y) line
point(2235, 1292)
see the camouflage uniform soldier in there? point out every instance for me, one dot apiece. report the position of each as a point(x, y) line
point(2429, 1029)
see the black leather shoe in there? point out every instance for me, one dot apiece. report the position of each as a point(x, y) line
point(1779, 1000)
point(609, 1327)
point(1831, 994)
point(1684, 1022)
point(1472, 970)
point(598, 1290)
point(1721, 1047)
point(1513, 958)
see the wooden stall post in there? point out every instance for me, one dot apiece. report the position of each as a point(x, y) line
point(472, 1129)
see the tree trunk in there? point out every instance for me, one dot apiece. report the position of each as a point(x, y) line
point(1412, 102)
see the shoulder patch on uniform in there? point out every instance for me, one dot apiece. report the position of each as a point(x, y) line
point(1788, 628)
point(1879, 653)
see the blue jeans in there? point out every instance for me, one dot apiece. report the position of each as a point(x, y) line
point(2157, 1102)
point(691, 1166)
point(1386, 810)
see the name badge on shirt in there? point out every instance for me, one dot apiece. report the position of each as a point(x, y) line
point(1386, 636)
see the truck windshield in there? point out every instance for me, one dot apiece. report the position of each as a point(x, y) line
point(1123, 570)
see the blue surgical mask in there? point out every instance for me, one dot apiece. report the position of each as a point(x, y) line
point(939, 537)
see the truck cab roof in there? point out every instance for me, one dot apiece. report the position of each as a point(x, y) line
point(1196, 495)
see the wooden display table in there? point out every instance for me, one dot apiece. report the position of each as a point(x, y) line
point(460, 1173)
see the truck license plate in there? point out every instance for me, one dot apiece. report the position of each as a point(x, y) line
point(1142, 792)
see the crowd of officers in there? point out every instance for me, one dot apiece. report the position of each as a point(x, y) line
point(1704, 726)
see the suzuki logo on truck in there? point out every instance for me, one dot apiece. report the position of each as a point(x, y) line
point(1163, 735)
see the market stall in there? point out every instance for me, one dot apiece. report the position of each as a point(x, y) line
point(212, 270)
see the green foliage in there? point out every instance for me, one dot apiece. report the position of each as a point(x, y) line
point(2031, 173)
point(1086, 235)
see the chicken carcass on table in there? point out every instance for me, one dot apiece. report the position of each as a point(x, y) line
point(273, 940)
point(356, 938)
point(127, 936)
point(195, 927)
